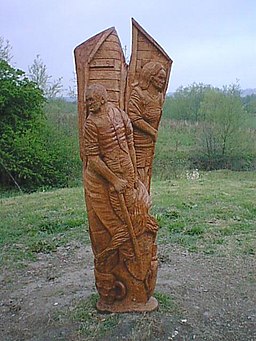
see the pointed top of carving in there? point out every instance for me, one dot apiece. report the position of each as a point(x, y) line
point(103, 34)
point(152, 40)
point(91, 45)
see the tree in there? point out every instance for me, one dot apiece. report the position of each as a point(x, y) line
point(33, 153)
point(20, 113)
point(5, 50)
point(250, 104)
point(186, 101)
point(38, 74)
point(223, 119)
point(72, 89)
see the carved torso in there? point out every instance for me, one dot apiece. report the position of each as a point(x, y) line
point(109, 137)
point(143, 105)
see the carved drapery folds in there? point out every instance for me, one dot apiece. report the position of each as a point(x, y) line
point(119, 110)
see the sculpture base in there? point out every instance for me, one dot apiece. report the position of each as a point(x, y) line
point(119, 307)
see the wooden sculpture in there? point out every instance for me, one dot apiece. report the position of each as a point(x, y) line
point(114, 107)
point(148, 77)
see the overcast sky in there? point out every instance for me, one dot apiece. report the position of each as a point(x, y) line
point(210, 41)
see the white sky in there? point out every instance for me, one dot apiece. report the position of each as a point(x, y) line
point(210, 41)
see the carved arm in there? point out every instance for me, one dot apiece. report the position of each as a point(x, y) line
point(96, 164)
point(146, 128)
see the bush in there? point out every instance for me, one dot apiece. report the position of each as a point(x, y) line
point(21, 114)
point(185, 102)
point(33, 153)
point(235, 163)
point(62, 120)
point(224, 134)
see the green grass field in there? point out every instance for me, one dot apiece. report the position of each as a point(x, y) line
point(213, 214)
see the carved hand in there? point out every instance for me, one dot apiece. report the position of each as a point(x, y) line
point(154, 135)
point(119, 185)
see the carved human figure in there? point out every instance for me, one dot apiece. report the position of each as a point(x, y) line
point(145, 109)
point(121, 229)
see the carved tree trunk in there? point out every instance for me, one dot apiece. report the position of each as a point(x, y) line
point(117, 149)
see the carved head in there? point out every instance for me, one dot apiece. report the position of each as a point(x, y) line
point(154, 73)
point(96, 96)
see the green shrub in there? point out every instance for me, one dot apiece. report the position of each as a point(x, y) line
point(221, 124)
point(33, 152)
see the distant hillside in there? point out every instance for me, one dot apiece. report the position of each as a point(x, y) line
point(244, 93)
point(248, 92)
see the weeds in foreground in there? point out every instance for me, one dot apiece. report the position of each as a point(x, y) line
point(93, 325)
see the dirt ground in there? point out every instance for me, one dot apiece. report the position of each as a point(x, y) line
point(215, 296)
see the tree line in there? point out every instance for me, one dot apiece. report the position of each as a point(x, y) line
point(39, 139)
point(34, 152)
point(226, 121)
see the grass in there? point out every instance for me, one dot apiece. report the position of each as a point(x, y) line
point(40, 222)
point(216, 212)
point(93, 325)
point(175, 142)
point(213, 214)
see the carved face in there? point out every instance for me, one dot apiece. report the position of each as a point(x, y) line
point(159, 80)
point(93, 102)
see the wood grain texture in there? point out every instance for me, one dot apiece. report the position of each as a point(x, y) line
point(119, 110)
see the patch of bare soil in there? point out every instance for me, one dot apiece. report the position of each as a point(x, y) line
point(215, 296)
